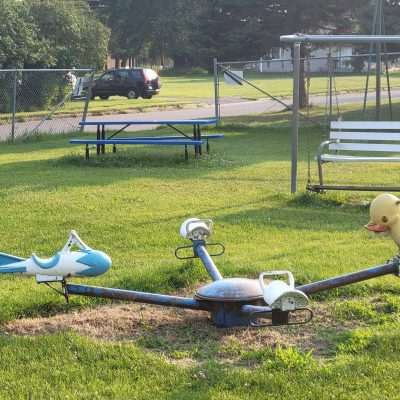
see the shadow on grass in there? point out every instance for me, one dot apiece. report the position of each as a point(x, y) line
point(45, 309)
point(339, 201)
point(307, 218)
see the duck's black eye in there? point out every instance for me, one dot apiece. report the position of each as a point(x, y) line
point(384, 219)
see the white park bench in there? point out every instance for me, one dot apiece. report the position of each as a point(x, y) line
point(358, 141)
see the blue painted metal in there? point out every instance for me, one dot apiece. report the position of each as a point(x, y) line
point(98, 263)
point(343, 280)
point(173, 142)
point(231, 289)
point(253, 309)
point(12, 270)
point(131, 295)
point(230, 314)
point(212, 136)
point(234, 301)
point(200, 250)
point(6, 259)
point(209, 121)
point(48, 263)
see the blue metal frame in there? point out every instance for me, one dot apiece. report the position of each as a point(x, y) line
point(209, 121)
point(168, 142)
point(224, 313)
point(102, 140)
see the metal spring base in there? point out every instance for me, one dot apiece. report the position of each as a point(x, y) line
point(279, 318)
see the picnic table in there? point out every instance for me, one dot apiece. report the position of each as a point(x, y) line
point(183, 139)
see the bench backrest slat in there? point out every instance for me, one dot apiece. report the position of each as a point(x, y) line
point(392, 148)
point(366, 125)
point(362, 136)
point(365, 136)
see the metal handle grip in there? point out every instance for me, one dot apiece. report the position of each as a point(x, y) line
point(220, 253)
point(277, 273)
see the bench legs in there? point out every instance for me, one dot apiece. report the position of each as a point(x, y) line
point(99, 149)
point(197, 136)
point(98, 138)
point(103, 136)
point(320, 174)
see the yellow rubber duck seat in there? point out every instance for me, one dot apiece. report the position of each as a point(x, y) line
point(384, 214)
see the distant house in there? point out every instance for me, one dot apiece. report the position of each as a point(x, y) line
point(341, 54)
point(113, 62)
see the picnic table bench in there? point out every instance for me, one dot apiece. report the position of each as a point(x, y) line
point(196, 139)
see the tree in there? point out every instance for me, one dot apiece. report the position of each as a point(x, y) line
point(129, 21)
point(152, 29)
point(74, 36)
point(315, 17)
point(19, 36)
point(173, 25)
point(236, 30)
point(45, 34)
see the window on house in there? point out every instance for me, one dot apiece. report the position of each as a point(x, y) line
point(275, 52)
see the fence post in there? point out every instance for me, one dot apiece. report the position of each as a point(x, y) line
point(88, 97)
point(14, 106)
point(216, 90)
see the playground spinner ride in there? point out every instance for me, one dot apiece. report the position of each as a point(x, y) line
point(231, 302)
point(272, 299)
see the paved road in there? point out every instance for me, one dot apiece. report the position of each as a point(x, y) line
point(227, 109)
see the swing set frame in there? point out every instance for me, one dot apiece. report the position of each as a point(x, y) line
point(297, 40)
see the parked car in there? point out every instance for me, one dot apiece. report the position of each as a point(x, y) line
point(132, 83)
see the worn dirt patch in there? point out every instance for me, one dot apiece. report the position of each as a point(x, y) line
point(182, 334)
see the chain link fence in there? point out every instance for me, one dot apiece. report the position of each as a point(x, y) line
point(331, 83)
point(37, 101)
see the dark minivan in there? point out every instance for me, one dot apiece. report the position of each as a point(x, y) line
point(132, 83)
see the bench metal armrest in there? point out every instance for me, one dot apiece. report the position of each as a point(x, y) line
point(323, 145)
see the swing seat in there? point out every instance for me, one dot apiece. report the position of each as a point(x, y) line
point(342, 158)
point(349, 138)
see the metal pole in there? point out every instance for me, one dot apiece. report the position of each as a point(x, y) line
point(389, 90)
point(295, 114)
point(281, 60)
point(211, 268)
point(371, 47)
point(216, 90)
point(14, 107)
point(131, 295)
point(378, 63)
point(88, 97)
point(330, 69)
point(343, 280)
point(355, 39)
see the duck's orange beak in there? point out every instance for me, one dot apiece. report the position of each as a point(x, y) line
point(377, 228)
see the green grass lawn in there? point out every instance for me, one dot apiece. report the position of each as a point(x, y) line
point(131, 205)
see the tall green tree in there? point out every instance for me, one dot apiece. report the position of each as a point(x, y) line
point(56, 33)
point(236, 30)
point(316, 17)
point(74, 36)
point(154, 29)
point(19, 36)
point(130, 24)
point(173, 25)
